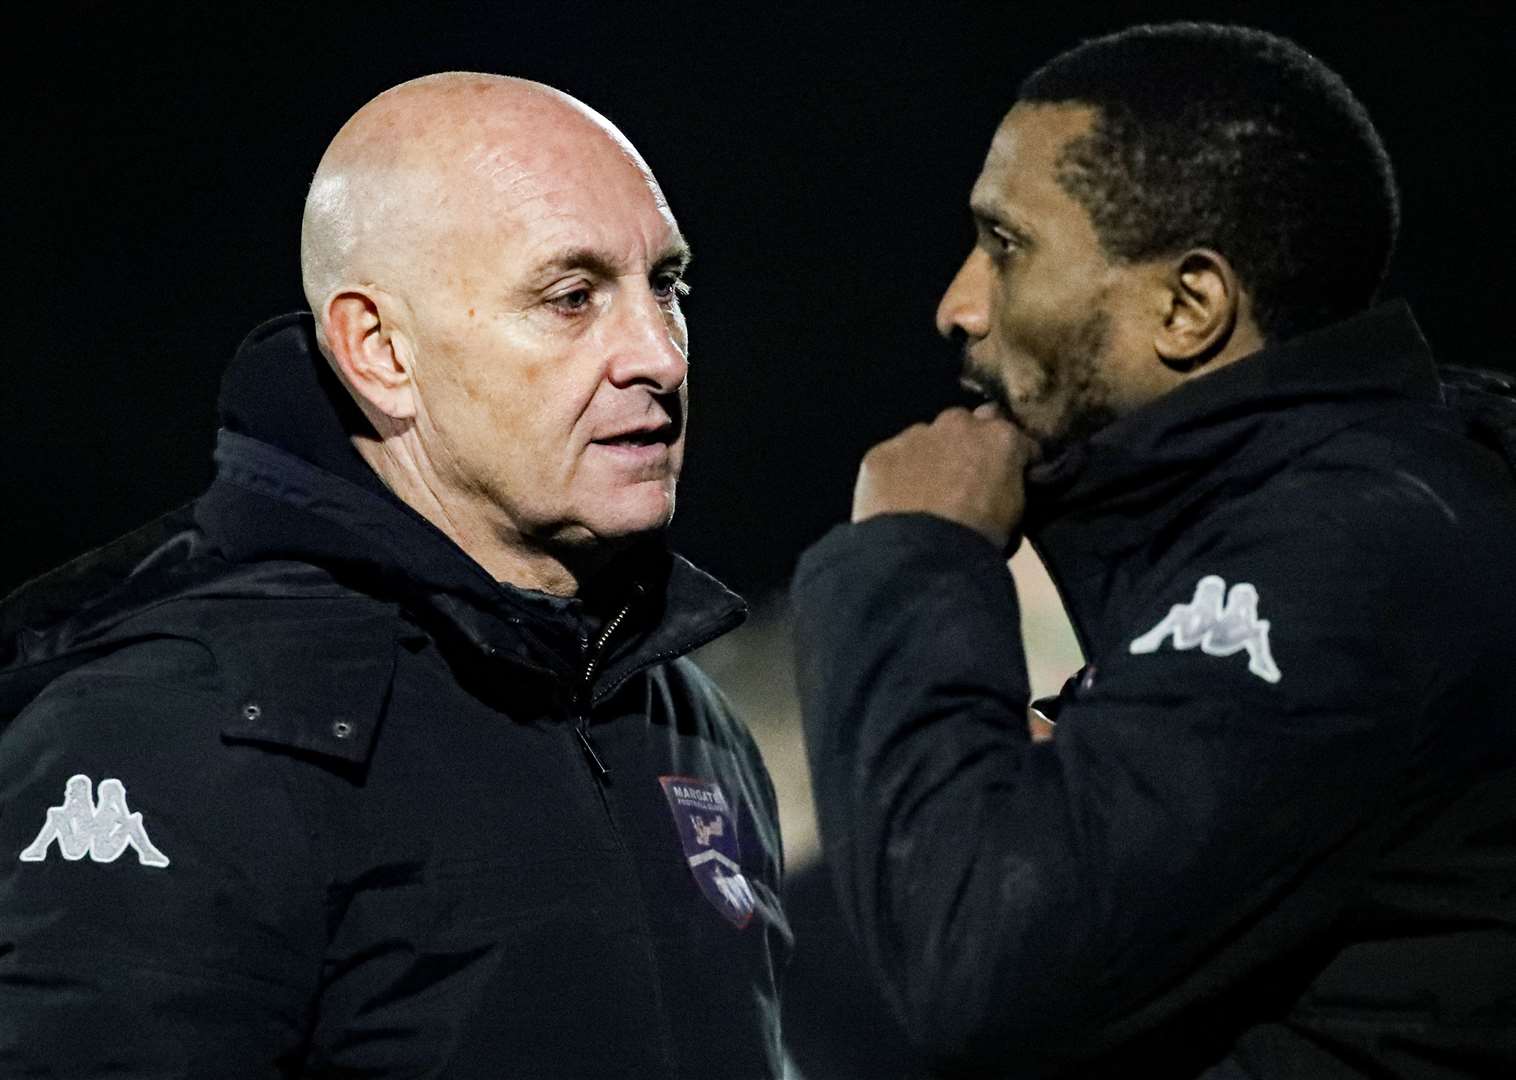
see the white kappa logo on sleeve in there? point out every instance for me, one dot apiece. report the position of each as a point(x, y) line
point(1219, 630)
point(102, 830)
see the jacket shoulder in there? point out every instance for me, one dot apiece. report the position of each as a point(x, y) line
point(303, 663)
point(1370, 560)
point(695, 694)
point(1411, 489)
point(275, 652)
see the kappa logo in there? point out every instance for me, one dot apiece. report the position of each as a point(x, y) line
point(1220, 629)
point(102, 830)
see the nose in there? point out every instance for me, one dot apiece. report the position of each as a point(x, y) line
point(649, 344)
point(965, 307)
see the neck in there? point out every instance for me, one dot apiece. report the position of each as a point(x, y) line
point(503, 553)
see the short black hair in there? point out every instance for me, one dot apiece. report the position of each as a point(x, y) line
point(1238, 140)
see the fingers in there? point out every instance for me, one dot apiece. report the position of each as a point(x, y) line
point(963, 466)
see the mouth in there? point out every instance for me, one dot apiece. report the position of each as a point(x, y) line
point(637, 438)
point(646, 445)
point(985, 393)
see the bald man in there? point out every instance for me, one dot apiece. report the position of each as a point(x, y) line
point(382, 758)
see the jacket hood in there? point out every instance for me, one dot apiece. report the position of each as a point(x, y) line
point(279, 389)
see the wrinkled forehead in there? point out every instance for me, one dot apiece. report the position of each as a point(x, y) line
point(584, 188)
point(513, 173)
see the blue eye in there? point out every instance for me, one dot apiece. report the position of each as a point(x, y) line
point(577, 300)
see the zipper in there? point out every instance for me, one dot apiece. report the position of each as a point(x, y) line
point(589, 751)
point(592, 661)
point(585, 686)
point(583, 702)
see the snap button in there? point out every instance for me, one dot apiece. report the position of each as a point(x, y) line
point(1088, 679)
point(251, 711)
point(342, 729)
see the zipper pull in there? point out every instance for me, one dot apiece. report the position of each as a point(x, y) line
point(589, 750)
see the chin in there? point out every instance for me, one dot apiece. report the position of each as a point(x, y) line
point(632, 514)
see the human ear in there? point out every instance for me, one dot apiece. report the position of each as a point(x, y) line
point(371, 352)
point(1203, 297)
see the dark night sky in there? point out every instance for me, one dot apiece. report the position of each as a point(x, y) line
point(818, 159)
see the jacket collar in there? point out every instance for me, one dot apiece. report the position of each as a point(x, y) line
point(1302, 391)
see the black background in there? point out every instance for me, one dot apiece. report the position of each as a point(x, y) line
point(818, 157)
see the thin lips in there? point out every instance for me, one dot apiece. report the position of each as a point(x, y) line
point(644, 433)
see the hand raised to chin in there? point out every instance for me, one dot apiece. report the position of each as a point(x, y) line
point(964, 466)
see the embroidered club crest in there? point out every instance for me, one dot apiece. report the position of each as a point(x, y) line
point(1219, 629)
point(707, 826)
point(102, 830)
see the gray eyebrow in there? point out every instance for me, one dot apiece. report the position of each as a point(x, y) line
point(596, 262)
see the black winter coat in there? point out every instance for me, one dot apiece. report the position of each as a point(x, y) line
point(1275, 833)
point(352, 808)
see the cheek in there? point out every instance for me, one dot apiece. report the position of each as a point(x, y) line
point(505, 396)
point(531, 373)
point(1019, 309)
point(1029, 339)
point(487, 398)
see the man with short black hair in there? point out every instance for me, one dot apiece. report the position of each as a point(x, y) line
point(1259, 162)
point(1271, 833)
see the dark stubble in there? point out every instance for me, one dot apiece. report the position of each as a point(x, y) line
point(1069, 372)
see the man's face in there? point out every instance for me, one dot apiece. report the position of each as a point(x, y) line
point(551, 349)
point(1053, 329)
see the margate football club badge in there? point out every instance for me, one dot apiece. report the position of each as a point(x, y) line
point(707, 826)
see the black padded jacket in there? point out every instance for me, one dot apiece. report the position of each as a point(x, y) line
point(349, 807)
point(1274, 835)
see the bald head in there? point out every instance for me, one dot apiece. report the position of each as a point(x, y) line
point(435, 158)
point(496, 280)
